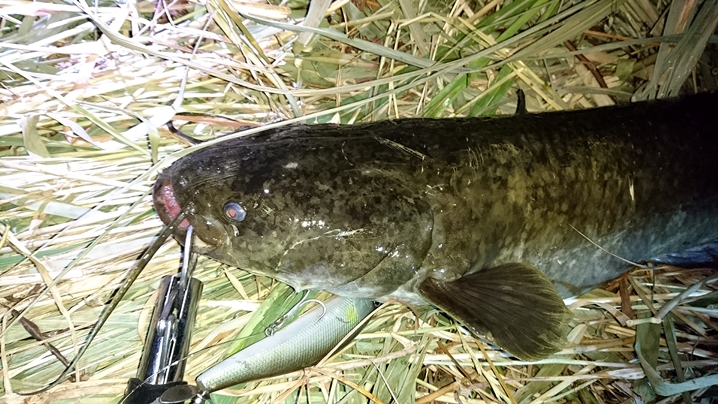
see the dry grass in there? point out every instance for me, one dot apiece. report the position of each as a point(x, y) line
point(86, 90)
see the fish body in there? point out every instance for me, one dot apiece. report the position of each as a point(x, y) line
point(419, 209)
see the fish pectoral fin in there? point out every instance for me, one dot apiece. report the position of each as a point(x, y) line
point(515, 303)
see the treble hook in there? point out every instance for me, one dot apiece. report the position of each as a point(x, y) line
point(275, 326)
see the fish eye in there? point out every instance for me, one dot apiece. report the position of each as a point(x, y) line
point(234, 211)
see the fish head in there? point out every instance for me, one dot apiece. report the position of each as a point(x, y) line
point(299, 212)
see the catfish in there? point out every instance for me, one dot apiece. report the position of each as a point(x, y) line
point(493, 220)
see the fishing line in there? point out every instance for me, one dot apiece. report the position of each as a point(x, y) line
point(608, 252)
point(115, 300)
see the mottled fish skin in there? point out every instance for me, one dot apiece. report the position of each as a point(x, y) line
point(371, 210)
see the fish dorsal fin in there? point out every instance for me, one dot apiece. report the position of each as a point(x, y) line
point(521, 103)
point(515, 303)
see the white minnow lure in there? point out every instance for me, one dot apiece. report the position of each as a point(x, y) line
point(302, 343)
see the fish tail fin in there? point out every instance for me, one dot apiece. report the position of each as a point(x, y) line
point(514, 303)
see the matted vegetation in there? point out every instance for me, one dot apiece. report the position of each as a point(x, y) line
point(86, 91)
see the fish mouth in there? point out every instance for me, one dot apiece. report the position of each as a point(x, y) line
point(209, 235)
point(165, 202)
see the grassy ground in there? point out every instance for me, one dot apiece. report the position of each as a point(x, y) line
point(86, 91)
